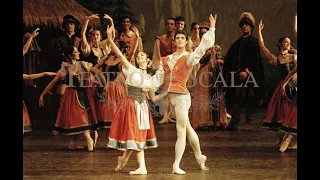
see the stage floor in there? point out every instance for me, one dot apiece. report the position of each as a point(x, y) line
point(232, 155)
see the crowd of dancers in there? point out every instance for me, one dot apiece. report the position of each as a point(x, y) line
point(110, 83)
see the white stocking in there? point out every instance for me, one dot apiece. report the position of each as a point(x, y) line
point(181, 124)
point(181, 104)
point(89, 140)
point(95, 138)
point(193, 140)
point(195, 144)
point(142, 165)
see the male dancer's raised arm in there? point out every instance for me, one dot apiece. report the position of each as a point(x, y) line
point(207, 41)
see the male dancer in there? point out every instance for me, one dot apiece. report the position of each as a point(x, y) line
point(164, 45)
point(175, 69)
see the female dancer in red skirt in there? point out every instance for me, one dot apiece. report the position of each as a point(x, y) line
point(117, 89)
point(94, 49)
point(132, 128)
point(106, 104)
point(289, 124)
point(77, 111)
point(281, 99)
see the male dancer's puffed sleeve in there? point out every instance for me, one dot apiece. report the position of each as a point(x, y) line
point(158, 78)
point(207, 41)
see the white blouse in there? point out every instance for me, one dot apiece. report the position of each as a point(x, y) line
point(137, 79)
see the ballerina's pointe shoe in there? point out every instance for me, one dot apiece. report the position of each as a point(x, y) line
point(90, 144)
point(171, 120)
point(178, 171)
point(285, 143)
point(164, 121)
point(120, 164)
point(229, 116)
point(202, 162)
point(96, 135)
point(139, 171)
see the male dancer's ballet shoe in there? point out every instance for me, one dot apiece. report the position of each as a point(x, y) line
point(120, 164)
point(202, 162)
point(139, 171)
point(90, 144)
point(178, 171)
point(75, 146)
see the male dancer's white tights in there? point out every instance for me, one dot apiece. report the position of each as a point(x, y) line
point(181, 104)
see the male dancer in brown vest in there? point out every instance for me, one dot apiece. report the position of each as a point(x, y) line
point(174, 71)
point(163, 46)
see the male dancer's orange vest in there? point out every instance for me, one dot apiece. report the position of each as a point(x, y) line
point(178, 76)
